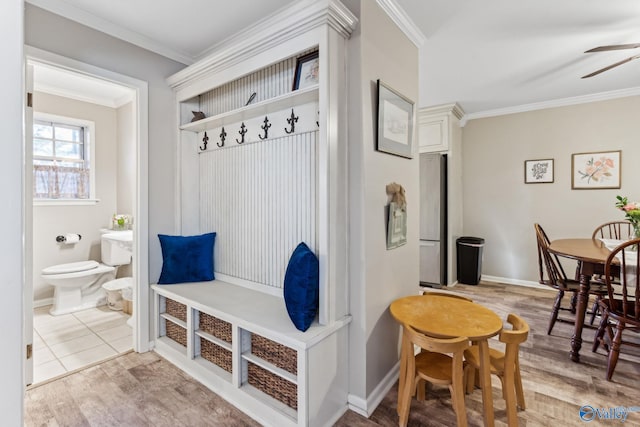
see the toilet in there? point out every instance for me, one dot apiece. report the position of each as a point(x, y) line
point(78, 285)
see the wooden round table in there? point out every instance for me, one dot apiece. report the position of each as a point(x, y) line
point(448, 317)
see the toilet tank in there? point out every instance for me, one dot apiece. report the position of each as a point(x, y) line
point(116, 248)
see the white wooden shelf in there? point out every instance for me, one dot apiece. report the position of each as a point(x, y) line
point(288, 100)
point(175, 320)
point(271, 368)
point(214, 340)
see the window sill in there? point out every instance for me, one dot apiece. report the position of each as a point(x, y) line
point(65, 202)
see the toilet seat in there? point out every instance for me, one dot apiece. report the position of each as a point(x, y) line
point(72, 267)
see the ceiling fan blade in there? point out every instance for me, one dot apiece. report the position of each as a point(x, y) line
point(602, 70)
point(613, 47)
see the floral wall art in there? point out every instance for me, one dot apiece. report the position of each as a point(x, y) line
point(596, 170)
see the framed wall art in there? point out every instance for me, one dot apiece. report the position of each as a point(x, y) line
point(597, 170)
point(396, 226)
point(539, 171)
point(307, 71)
point(395, 122)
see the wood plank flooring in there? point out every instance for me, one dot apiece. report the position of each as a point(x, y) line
point(146, 390)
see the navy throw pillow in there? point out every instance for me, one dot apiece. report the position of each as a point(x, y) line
point(301, 287)
point(186, 258)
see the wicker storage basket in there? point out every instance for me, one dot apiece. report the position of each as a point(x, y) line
point(176, 309)
point(176, 333)
point(216, 327)
point(215, 354)
point(280, 355)
point(273, 385)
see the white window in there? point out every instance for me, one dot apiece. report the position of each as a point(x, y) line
point(62, 164)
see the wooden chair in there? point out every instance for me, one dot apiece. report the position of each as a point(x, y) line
point(622, 305)
point(434, 366)
point(505, 365)
point(556, 278)
point(446, 294)
point(619, 230)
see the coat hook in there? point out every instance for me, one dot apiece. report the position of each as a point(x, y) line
point(265, 127)
point(206, 141)
point(292, 121)
point(242, 131)
point(223, 136)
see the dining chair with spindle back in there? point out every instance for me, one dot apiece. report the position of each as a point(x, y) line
point(622, 305)
point(618, 230)
point(556, 278)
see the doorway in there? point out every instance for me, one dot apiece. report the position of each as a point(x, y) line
point(123, 99)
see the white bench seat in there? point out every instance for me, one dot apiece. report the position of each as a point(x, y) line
point(253, 312)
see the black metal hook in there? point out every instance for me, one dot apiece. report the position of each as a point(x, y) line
point(242, 131)
point(265, 127)
point(223, 136)
point(206, 141)
point(292, 121)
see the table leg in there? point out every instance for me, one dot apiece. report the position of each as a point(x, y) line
point(581, 309)
point(485, 383)
point(403, 373)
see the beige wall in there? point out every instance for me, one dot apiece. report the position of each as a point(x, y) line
point(126, 164)
point(377, 50)
point(501, 208)
point(50, 221)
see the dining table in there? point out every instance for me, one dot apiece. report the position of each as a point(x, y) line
point(591, 255)
point(449, 317)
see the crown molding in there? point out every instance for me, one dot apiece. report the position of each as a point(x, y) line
point(563, 102)
point(285, 24)
point(403, 21)
point(92, 21)
point(438, 110)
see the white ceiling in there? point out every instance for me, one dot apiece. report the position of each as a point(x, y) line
point(486, 55)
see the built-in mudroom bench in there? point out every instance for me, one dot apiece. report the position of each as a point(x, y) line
point(241, 343)
point(261, 125)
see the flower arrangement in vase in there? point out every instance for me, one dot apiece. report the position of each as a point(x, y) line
point(632, 214)
point(120, 222)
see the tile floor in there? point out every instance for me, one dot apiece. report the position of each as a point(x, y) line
point(70, 341)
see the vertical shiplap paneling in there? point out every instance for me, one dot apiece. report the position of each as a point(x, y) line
point(267, 83)
point(260, 198)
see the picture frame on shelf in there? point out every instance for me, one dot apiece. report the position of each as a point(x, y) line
point(538, 171)
point(596, 170)
point(307, 71)
point(395, 122)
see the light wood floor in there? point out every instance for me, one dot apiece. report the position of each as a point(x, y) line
point(145, 390)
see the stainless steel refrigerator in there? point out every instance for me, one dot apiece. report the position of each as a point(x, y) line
point(433, 219)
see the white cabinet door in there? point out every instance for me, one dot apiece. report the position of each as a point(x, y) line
point(429, 261)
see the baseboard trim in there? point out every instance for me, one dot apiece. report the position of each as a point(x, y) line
point(365, 407)
point(42, 302)
point(517, 282)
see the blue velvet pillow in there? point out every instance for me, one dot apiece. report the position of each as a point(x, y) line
point(186, 258)
point(301, 287)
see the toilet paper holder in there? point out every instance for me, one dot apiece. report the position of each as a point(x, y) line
point(63, 239)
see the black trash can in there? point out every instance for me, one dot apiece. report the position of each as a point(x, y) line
point(469, 258)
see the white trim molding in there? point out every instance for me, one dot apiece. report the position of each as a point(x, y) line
point(274, 30)
point(517, 282)
point(403, 21)
point(366, 407)
point(562, 102)
point(76, 14)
